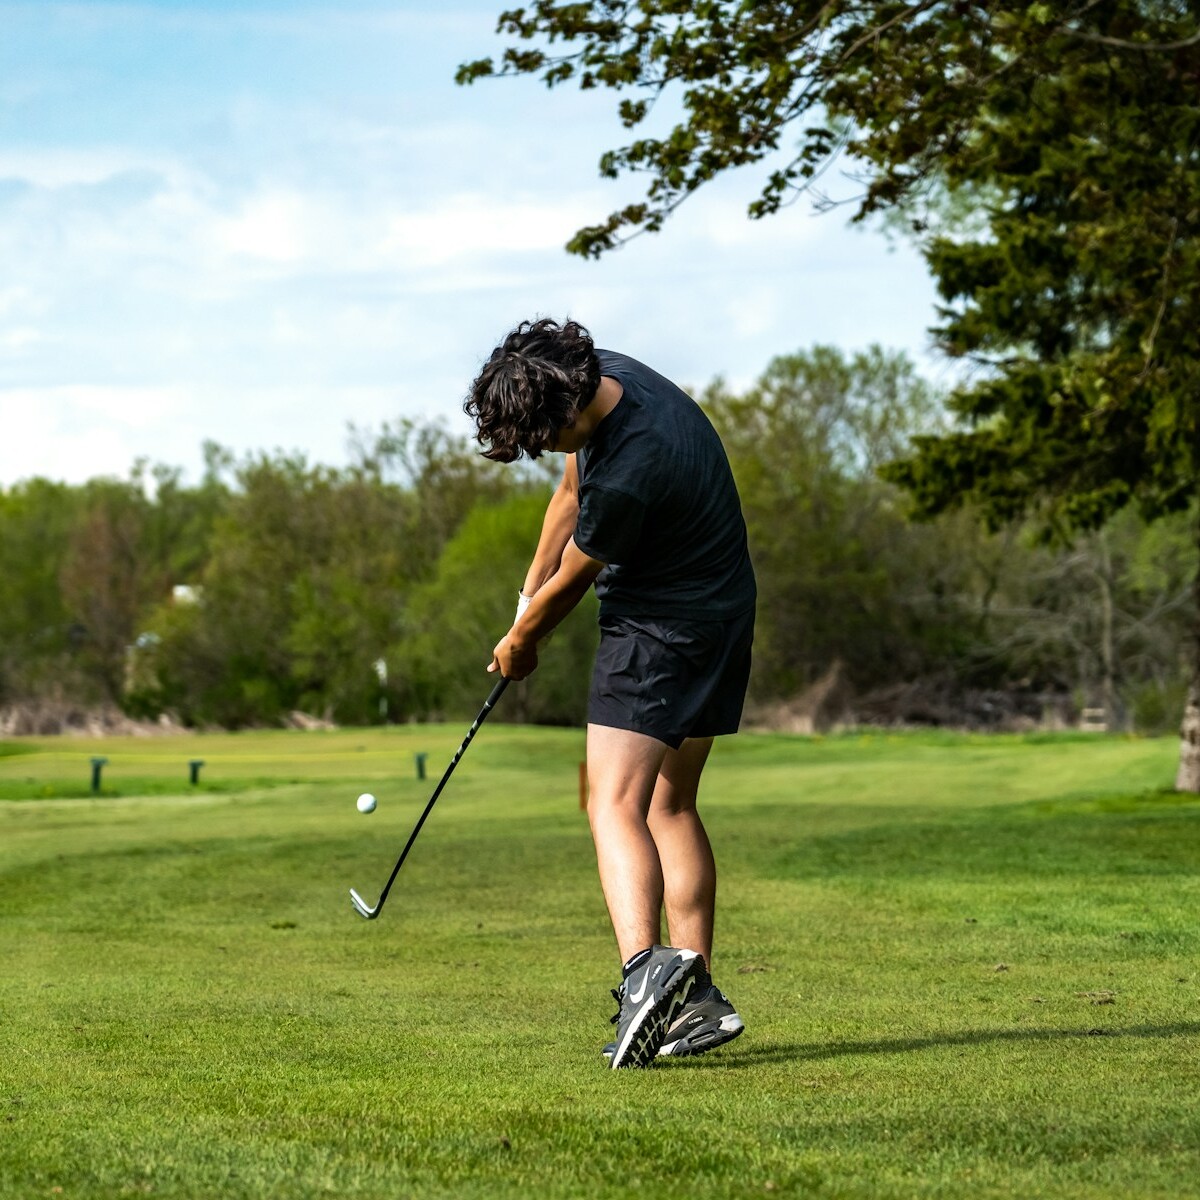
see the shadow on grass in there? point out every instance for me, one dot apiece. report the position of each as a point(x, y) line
point(1148, 834)
point(752, 1055)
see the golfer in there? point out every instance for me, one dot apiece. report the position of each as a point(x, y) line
point(647, 512)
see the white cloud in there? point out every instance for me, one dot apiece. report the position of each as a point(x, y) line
point(45, 435)
point(273, 253)
point(721, 220)
point(20, 338)
point(123, 407)
point(161, 223)
point(480, 226)
point(20, 302)
point(76, 433)
point(274, 226)
point(59, 167)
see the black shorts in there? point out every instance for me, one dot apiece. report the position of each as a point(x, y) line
point(671, 679)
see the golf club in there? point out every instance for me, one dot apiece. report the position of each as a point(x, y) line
point(360, 905)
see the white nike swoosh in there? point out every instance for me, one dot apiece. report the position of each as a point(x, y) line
point(645, 983)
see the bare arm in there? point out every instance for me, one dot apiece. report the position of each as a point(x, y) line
point(557, 528)
point(515, 656)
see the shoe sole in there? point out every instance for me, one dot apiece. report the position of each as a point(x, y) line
point(690, 1047)
point(650, 1026)
point(702, 1043)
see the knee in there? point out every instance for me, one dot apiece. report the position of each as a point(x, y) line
point(671, 804)
point(608, 806)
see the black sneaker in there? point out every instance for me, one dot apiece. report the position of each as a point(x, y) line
point(650, 997)
point(705, 1022)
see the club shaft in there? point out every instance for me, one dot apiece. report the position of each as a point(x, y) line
point(488, 705)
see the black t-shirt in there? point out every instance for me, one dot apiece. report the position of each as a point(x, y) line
point(657, 502)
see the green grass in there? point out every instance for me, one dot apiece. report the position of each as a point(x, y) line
point(968, 967)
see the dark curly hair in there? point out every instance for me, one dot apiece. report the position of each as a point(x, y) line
point(535, 383)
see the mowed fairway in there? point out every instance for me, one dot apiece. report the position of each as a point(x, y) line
point(968, 967)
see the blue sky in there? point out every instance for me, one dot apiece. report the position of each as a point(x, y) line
point(259, 221)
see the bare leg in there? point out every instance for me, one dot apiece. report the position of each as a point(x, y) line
point(688, 870)
point(622, 770)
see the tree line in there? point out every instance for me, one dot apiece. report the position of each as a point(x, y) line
point(374, 592)
point(1043, 158)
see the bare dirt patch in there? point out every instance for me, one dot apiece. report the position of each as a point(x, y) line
point(46, 718)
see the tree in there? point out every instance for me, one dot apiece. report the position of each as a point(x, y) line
point(444, 476)
point(453, 620)
point(1074, 128)
point(308, 582)
point(1103, 618)
point(841, 576)
point(37, 634)
point(294, 606)
point(108, 579)
point(1076, 306)
point(903, 90)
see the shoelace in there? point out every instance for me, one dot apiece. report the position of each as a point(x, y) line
point(616, 995)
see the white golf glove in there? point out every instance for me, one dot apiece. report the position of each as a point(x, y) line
point(523, 602)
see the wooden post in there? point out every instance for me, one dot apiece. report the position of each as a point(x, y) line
point(583, 787)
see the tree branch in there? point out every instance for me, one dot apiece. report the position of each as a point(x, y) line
point(1162, 306)
point(1123, 44)
point(874, 34)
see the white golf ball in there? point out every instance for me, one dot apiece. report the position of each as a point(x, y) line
point(366, 803)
